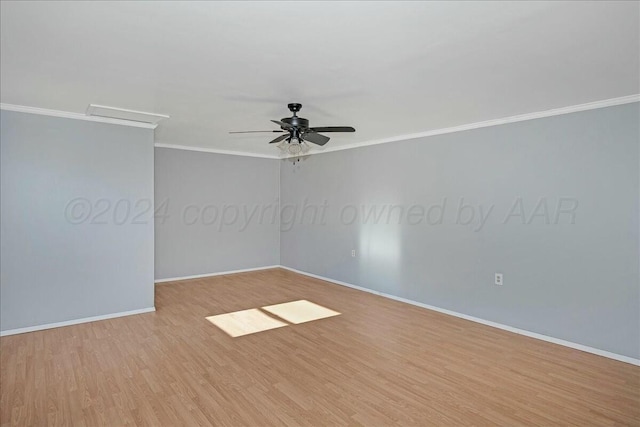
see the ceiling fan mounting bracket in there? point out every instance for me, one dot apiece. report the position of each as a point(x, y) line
point(294, 107)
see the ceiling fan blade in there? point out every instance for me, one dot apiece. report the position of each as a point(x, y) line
point(280, 138)
point(316, 138)
point(283, 124)
point(333, 129)
point(256, 131)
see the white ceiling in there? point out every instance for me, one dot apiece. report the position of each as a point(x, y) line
point(387, 69)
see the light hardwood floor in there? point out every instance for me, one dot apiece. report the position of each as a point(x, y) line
point(379, 363)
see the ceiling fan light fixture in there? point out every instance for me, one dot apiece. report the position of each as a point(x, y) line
point(294, 148)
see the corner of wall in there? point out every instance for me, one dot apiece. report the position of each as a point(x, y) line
point(279, 211)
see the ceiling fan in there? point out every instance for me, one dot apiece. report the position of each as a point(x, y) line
point(296, 132)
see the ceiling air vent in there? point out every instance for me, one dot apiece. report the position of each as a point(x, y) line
point(124, 114)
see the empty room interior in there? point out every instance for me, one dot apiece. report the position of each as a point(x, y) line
point(320, 213)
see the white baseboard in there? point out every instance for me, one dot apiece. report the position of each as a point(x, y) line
point(75, 321)
point(221, 273)
point(553, 340)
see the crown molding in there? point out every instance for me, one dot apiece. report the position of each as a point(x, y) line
point(75, 116)
point(216, 151)
point(495, 122)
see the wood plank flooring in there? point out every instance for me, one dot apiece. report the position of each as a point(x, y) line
point(378, 363)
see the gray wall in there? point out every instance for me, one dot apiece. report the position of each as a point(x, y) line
point(55, 264)
point(215, 212)
point(574, 281)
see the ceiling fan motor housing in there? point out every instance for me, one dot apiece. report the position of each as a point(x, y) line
point(295, 121)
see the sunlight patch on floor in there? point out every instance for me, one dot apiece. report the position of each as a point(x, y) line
point(300, 311)
point(245, 322)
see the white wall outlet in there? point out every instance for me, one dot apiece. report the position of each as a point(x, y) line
point(353, 253)
point(499, 279)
